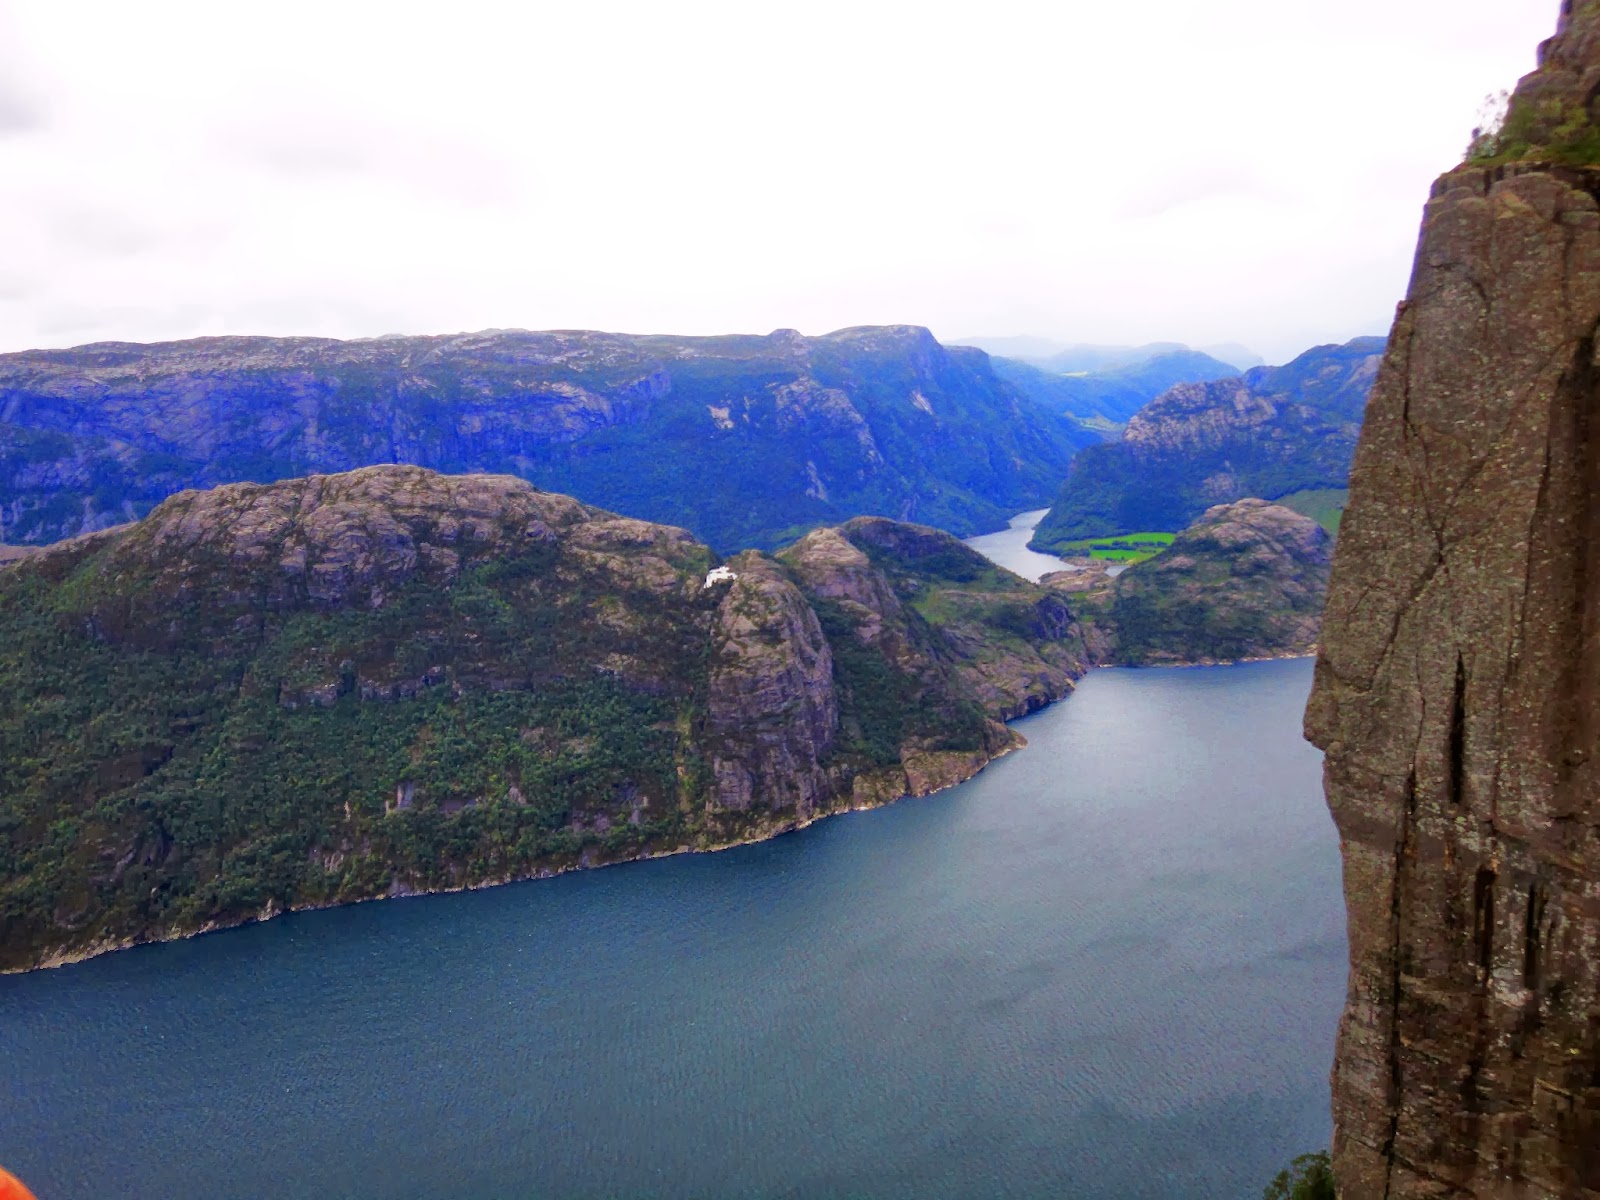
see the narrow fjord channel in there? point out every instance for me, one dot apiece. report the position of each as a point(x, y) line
point(1109, 966)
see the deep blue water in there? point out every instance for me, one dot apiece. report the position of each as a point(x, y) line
point(1110, 966)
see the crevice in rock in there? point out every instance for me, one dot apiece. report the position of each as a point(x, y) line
point(1458, 735)
point(1483, 921)
point(1578, 725)
point(1404, 848)
point(1532, 947)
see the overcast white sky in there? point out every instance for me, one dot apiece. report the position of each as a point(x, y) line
point(1248, 170)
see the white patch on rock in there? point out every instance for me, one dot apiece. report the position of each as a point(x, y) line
point(815, 488)
point(720, 416)
point(718, 575)
point(921, 401)
point(404, 797)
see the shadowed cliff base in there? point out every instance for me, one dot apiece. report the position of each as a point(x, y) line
point(1456, 691)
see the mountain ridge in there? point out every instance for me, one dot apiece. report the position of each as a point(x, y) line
point(267, 697)
point(1268, 433)
point(1112, 394)
point(748, 439)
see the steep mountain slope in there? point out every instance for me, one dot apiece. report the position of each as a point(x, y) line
point(1458, 689)
point(322, 690)
point(1274, 431)
point(744, 440)
point(1112, 394)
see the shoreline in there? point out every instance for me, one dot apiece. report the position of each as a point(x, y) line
point(271, 912)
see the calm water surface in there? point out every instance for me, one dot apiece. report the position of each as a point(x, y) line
point(1108, 967)
point(1009, 547)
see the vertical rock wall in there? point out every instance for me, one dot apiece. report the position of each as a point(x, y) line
point(1458, 693)
point(772, 712)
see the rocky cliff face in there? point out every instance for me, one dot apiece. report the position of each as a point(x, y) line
point(1270, 433)
point(266, 697)
point(772, 713)
point(744, 440)
point(1456, 692)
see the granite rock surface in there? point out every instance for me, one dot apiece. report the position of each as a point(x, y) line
point(1458, 692)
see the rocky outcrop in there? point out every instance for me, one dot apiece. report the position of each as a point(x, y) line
point(929, 604)
point(744, 440)
point(1457, 697)
point(346, 539)
point(266, 697)
point(1245, 581)
point(1271, 433)
point(771, 710)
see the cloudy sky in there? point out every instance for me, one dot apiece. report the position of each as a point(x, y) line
point(1239, 170)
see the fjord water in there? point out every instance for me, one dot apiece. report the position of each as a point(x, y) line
point(1009, 547)
point(1110, 966)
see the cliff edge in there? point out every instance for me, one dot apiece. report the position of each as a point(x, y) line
point(1456, 692)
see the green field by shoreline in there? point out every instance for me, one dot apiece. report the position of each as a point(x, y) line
point(1123, 548)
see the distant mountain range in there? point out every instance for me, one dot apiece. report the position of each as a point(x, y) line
point(1274, 433)
point(1110, 395)
point(744, 440)
point(1071, 358)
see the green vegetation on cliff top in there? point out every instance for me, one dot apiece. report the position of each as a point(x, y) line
point(1551, 129)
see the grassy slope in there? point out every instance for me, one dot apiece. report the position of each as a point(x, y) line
point(1325, 506)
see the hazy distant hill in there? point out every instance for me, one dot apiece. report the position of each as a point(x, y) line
point(1273, 432)
point(1076, 357)
point(745, 440)
point(1232, 352)
point(1113, 393)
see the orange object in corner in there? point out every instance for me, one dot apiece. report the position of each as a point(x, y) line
point(12, 1188)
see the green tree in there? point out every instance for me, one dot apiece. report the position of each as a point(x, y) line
point(1309, 1177)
